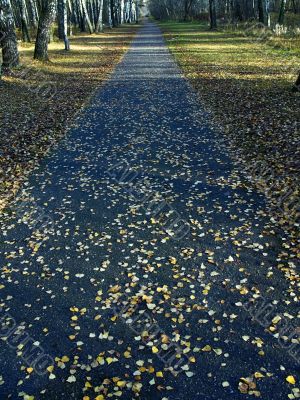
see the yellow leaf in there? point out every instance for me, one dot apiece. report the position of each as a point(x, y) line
point(159, 374)
point(258, 375)
point(164, 338)
point(154, 349)
point(114, 289)
point(207, 348)
point(29, 370)
point(276, 319)
point(290, 379)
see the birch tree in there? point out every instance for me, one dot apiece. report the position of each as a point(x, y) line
point(86, 16)
point(8, 38)
point(34, 13)
point(24, 24)
point(47, 15)
point(62, 13)
point(99, 24)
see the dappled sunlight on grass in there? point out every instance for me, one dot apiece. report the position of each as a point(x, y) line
point(87, 51)
point(233, 53)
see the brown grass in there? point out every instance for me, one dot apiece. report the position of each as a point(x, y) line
point(40, 100)
point(246, 84)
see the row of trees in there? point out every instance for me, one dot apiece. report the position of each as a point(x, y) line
point(229, 10)
point(37, 17)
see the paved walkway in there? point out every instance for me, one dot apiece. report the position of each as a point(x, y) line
point(134, 256)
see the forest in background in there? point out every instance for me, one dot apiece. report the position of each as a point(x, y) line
point(41, 20)
point(224, 10)
point(276, 21)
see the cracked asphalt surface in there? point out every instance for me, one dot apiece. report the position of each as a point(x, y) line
point(138, 263)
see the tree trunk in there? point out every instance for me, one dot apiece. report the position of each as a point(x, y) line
point(8, 38)
point(268, 16)
point(296, 87)
point(90, 10)
point(122, 6)
point(137, 12)
point(62, 13)
point(99, 25)
point(130, 11)
point(281, 12)
point(119, 15)
point(238, 11)
point(33, 11)
point(263, 12)
point(46, 19)
point(109, 14)
point(80, 15)
point(212, 14)
point(295, 8)
point(70, 14)
point(186, 10)
point(24, 27)
point(61, 4)
point(113, 13)
point(86, 16)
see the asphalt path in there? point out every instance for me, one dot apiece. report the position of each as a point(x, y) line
point(137, 262)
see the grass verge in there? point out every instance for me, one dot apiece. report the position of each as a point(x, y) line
point(40, 100)
point(246, 86)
